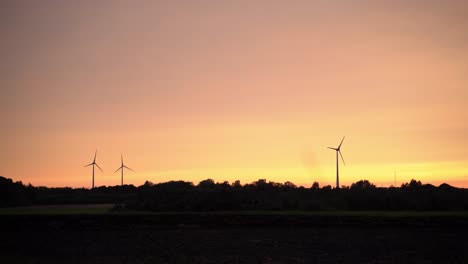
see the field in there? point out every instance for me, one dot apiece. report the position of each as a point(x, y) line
point(93, 234)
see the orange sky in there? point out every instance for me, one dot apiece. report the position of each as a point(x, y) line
point(189, 90)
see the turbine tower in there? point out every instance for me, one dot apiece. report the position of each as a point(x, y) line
point(94, 164)
point(338, 150)
point(122, 166)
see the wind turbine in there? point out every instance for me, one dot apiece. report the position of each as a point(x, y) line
point(122, 166)
point(94, 164)
point(338, 150)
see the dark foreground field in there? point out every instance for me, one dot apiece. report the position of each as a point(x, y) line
point(233, 238)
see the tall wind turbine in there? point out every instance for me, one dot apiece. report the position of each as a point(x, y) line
point(338, 150)
point(122, 167)
point(94, 164)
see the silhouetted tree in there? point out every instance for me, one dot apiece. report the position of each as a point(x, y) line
point(236, 184)
point(259, 195)
point(413, 185)
point(289, 184)
point(315, 186)
point(208, 184)
point(445, 186)
point(148, 184)
point(362, 185)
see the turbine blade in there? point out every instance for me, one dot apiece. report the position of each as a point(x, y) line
point(121, 159)
point(342, 157)
point(95, 153)
point(332, 148)
point(99, 167)
point(341, 143)
point(128, 168)
point(117, 169)
point(88, 165)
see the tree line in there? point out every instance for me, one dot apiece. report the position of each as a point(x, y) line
point(208, 195)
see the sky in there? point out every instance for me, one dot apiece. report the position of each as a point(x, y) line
point(234, 90)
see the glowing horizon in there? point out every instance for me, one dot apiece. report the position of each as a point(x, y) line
point(234, 91)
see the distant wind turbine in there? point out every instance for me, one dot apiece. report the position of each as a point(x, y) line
point(94, 164)
point(338, 150)
point(122, 166)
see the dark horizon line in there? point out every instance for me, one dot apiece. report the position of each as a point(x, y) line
point(237, 183)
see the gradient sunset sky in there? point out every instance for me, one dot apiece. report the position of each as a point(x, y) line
point(190, 90)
